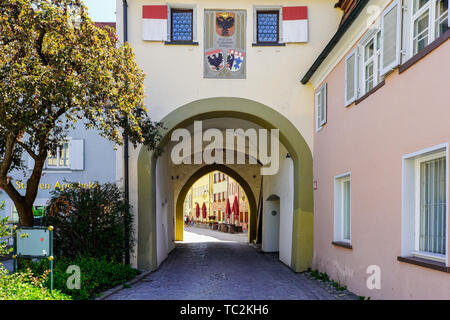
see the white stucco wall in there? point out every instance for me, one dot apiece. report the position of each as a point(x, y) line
point(282, 185)
point(164, 210)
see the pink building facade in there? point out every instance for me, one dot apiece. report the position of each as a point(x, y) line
point(381, 153)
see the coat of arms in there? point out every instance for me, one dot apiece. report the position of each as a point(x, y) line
point(234, 60)
point(225, 23)
point(216, 60)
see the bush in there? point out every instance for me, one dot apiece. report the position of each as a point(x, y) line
point(97, 275)
point(5, 234)
point(25, 286)
point(93, 222)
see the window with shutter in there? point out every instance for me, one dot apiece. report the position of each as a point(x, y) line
point(351, 85)
point(321, 107)
point(60, 157)
point(391, 39)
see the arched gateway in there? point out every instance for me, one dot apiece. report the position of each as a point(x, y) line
point(261, 115)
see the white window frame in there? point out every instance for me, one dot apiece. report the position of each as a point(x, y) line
point(411, 201)
point(418, 161)
point(182, 6)
point(321, 122)
point(58, 167)
point(255, 22)
point(376, 59)
point(431, 8)
point(339, 207)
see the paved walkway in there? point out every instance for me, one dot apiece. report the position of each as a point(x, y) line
point(211, 265)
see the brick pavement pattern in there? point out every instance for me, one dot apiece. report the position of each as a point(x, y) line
point(210, 265)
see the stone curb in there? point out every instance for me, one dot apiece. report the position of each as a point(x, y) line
point(119, 287)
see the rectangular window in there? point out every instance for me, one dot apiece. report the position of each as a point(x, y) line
point(321, 107)
point(429, 21)
point(267, 26)
point(182, 29)
point(431, 205)
point(59, 158)
point(371, 62)
point(425, 204)
point(342, 203)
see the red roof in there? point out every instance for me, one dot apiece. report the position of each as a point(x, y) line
point(103, 24)
point(347, 6)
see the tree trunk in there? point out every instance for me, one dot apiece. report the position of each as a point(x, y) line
point(25, 212)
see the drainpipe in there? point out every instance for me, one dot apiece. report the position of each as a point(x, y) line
point(125, 139)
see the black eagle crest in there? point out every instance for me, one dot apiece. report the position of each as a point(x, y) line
point(225, 24)
point(216, 60)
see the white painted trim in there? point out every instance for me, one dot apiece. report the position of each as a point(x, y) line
point(429, 256)
point(426, 150)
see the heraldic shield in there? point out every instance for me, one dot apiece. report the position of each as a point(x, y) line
point(235, 59)
point(215, 59)
point(225, 23)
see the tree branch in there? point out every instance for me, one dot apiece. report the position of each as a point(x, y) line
point(39, 46)
point(7, 159)
point(27, 149)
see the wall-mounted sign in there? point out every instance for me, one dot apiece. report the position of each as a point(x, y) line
point(31, 242)
point(225, 44)
point(34, 243)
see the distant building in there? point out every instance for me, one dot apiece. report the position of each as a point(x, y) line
point(84, 158)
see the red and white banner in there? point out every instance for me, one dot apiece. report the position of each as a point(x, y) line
point(154, 23)
point(295, 24)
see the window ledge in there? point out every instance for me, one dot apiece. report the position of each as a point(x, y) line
point(372, 91)
point(181, 43)
point(67, 170)
point(342, 244)
point(413, 60)
point(268, 44)
point(426, 263)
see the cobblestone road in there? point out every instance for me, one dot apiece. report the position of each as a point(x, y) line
point(211, 265)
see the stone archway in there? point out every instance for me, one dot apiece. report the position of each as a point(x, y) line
point(200, 173)
point(266, 117)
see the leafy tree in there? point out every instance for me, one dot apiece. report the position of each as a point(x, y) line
point(57, 69)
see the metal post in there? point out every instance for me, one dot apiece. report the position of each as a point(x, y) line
point(50, 229)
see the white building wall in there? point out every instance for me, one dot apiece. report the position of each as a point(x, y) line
point(282, 185)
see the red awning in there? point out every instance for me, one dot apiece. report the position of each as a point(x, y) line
point(236, 207)
point(197, 210)
point(204, 211)
point(228, 208)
